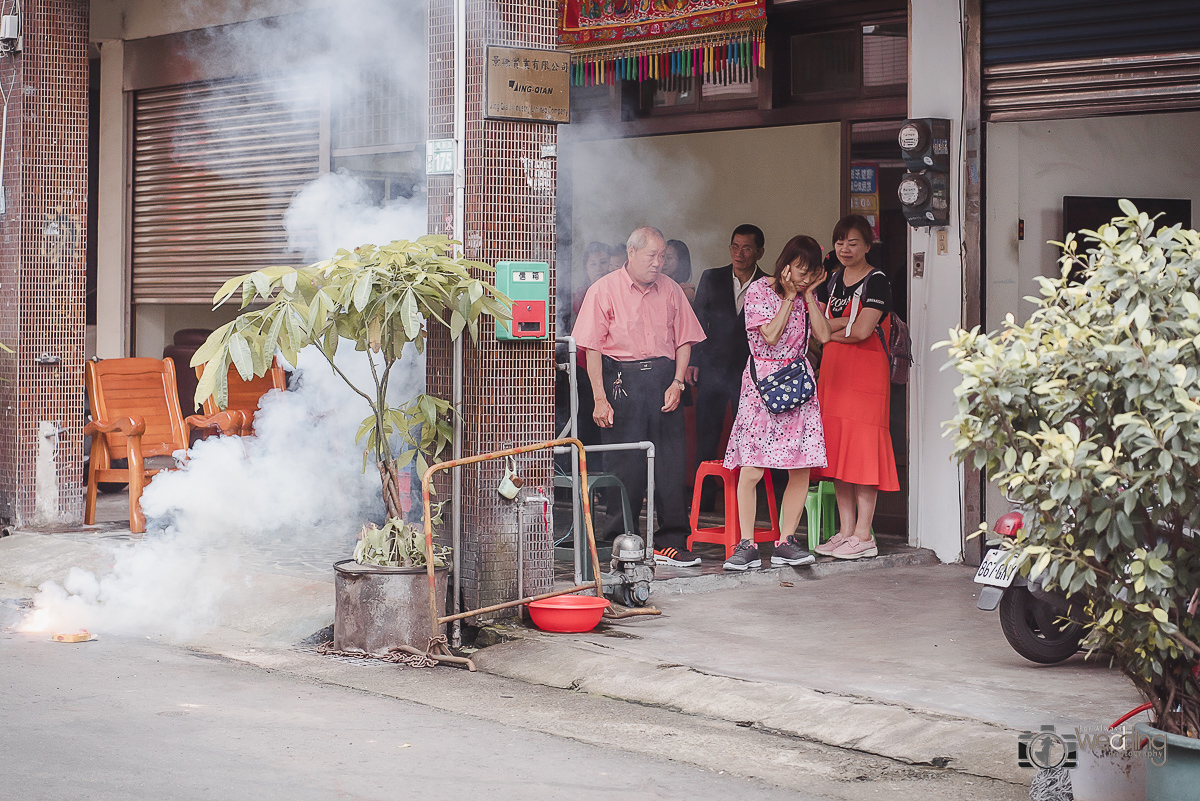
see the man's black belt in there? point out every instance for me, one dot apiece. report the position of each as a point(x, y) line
point(637, 364)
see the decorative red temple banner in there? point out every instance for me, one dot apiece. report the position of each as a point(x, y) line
point(613, 40)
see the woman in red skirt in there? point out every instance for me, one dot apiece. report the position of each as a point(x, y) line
point(854, 389)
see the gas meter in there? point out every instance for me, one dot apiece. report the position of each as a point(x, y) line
point(527, 283)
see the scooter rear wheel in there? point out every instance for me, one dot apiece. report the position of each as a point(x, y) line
point(1034, 628)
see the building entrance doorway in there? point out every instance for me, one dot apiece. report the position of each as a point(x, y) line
point(874, 146)
point(698, 155)
point(697, 187)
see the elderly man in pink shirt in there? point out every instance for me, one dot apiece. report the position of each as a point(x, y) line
point(638, 329)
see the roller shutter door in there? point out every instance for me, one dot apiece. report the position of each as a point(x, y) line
point(1045, 59)
point(215, 166)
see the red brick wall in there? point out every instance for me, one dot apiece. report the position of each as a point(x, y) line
point(42, 253)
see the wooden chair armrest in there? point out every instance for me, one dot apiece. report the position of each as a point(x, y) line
point(228, 422)
point(129, 426)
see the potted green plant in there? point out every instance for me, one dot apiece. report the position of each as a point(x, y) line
point(381, 298)
point(1089, 415)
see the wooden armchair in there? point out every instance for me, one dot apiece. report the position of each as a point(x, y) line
point(245, 395)
point(136, 417)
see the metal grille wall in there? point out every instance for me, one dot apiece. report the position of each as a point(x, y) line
point(380, 112)
point(508, 386)
point(1045, 59)
point(215, 166)
point(42, 265)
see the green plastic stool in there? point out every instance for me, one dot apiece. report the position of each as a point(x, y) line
point(597, 481)
point(820, 507)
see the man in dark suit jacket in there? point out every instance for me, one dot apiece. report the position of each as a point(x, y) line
point(722, 357)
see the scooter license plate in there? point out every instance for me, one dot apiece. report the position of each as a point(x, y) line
point(998, 569)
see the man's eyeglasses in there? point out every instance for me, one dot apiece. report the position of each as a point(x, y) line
point(743, 249)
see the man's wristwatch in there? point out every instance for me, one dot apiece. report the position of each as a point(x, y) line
point(681, 384)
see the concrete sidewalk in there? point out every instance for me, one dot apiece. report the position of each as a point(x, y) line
point(894, 662)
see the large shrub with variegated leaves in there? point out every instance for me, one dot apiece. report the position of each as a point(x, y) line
point(381, 299)
point(1089, 414)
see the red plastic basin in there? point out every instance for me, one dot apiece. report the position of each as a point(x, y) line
point(567, 613)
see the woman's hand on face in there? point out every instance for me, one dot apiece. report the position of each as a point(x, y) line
point(810, 291)
point(790, 288)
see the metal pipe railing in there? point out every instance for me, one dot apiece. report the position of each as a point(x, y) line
point(436, 620)
point(572, 429)
point(648, 447)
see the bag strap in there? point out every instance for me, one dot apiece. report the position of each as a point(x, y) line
point(887, 351)
point(829, 283)
point(855, 305)
point(807, 333)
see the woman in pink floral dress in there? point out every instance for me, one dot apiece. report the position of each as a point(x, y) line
point(777, 327)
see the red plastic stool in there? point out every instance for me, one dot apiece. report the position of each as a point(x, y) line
point(730, 533)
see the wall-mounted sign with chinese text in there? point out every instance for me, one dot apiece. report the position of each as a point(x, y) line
point(525, 84)
point(864, 192)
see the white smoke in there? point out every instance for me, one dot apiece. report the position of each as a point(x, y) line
point(365, 62)
point(296, 490)
point(339, 208)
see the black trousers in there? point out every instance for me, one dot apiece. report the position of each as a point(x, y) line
point(635, 390)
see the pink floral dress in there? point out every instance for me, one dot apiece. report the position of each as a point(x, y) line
point(796, 438)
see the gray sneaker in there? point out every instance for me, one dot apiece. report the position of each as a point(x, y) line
point(791, 553)
point(745, 556)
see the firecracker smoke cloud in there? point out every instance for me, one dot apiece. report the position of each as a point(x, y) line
point(219, 526)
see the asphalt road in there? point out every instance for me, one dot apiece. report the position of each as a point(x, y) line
point(123, 718)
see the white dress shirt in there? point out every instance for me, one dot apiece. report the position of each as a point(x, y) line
point(739, 292)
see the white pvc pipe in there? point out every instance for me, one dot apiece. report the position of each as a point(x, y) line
point(460, 185)
point(572, 430)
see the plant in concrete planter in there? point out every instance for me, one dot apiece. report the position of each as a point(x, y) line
point(381, 299)
point(1089, 414)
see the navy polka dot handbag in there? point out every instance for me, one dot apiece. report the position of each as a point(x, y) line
point(786, 388)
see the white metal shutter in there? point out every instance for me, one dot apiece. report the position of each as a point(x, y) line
point(215, 166)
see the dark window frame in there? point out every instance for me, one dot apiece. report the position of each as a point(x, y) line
point(783, 77)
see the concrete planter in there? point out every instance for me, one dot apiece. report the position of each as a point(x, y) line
point(1174, 773)
point(380, 608)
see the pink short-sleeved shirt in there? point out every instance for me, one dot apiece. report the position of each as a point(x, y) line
point(625, 323)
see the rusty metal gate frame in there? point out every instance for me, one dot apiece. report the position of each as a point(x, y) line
point(438, 648)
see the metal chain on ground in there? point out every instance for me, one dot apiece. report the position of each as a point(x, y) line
point(395, 655)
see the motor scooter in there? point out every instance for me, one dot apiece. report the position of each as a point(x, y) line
point(1039, 624)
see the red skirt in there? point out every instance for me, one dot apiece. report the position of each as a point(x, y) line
point(855, 393)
